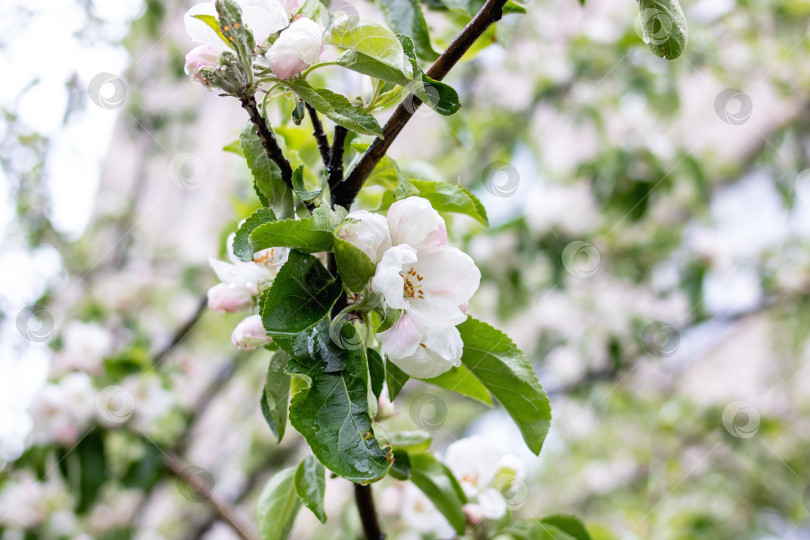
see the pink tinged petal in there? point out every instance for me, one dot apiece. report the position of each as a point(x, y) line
point(264, 18)
point(388, 280)
point(402, 339)
point(201, 32)
point(413, 221)
point(450, 280)
point(292, 6)
point(296, 48)
point(473, 513)
point(249, 334)
point(230, 298)
point(438, 350)
point(200, 57)
point(368, 232)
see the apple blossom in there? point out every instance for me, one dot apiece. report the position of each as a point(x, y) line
point(263, 17)
point(199, 57)
point(151, 399)
point(367, 231)
point(422, 516)
point(60, 411)
point(85, 346)
point(298, 47)
point(292, 6)
point(230, 298)
point(249, 334)
point(431, 283)
point(251, 275)
point(421, 351)
point(415, 222)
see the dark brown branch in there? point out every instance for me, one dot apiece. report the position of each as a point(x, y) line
point(346, 191)
point(319, 134)
point(335, 167)
point(182, 332)
point(365, 505)
point(195, 482)
point(268, 139)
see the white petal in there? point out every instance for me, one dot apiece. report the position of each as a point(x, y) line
point(367, 231)
point(402, 339)
point(264, 18)
point(413, 221)
point(450, 280)
point(297, 47)
point(388, 281)
point(198, 30)
point(473, 460)
point(492, 504)
point(444, 342)
point(424, 361)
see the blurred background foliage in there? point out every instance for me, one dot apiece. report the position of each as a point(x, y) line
point(672, 338)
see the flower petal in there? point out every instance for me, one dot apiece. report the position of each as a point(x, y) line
point(388, 280)
point(402, 339)
point(413, 221)
point(264, 18)
point(449, 274)
point(201, 32)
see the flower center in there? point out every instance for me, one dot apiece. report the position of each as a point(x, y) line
point(413, 284)
point(266, 258)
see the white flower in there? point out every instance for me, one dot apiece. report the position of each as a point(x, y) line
point(61, 411)
point(23, 502)
point(263, 17)
point(198, 58)
point(431, 283)
point(413, 221)
point(483, 472)
point(152, 400)
point(251, 276)
point(367, 231)
point(230, 298)
point(419, 514)
point(421, 351)
point(249, 334)
point(292, 6)
point(297, 48)
point(86, 345)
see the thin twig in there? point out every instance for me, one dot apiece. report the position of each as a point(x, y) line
point(319, 134)
point(182, 332)
point(368, 515)
point(268, 140)
point(335, 167)
point(195, 482)
point(348, 189)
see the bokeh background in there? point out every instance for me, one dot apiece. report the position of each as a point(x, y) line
point(648, 250)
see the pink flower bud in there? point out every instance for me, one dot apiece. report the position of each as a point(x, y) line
point(198, 58)
point(473, 513)
point(249, 334)
point(230, 298)
point(298, 47)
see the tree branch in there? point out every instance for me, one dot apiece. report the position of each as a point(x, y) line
point(268, 140)
point(365, 504)
point(346, 191)
point(319, 134)
point(228, 515)
point(335, 166)
point(182, 332)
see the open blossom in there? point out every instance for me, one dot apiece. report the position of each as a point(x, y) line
point(483, 472)
point(432, 283)
point(422, 351)
point(198, 58)
point(367, 231)
point(62, 410)
point(249, 334)
point(263, 17)
point(297, 48)
point(84, 346)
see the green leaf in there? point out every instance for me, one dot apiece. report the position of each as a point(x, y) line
point(234, 147)
point(371, 39)
point(436, 481)
point(310, 483)
point(390, 318)
point(361, 63)
point(570, 525)
point(376, 371)
point(512, 7)
point(298, 113)
point(415, 441)
point(454, 198)
point(301, 295)
point(437, 95)
point(459, 379)
point(300, 189)
point(353, 265)
point(395, 378)
point(213, 23)
point(334, 413)
point(663, 27)
point(406, 16)
point(276, 394)
point(91, 458)
point(386, 174)
point(506, 372)
point(401, 467)
point(336, 107)
point(241, 242)
point(267, 181)
point(278, 506)
point(303, 234)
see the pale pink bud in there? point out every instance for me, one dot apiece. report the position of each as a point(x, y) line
point(198, 58)
point(367, 231)
point(473, 513)
point(230, 298)
point(249, 334)
point(298, 47)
